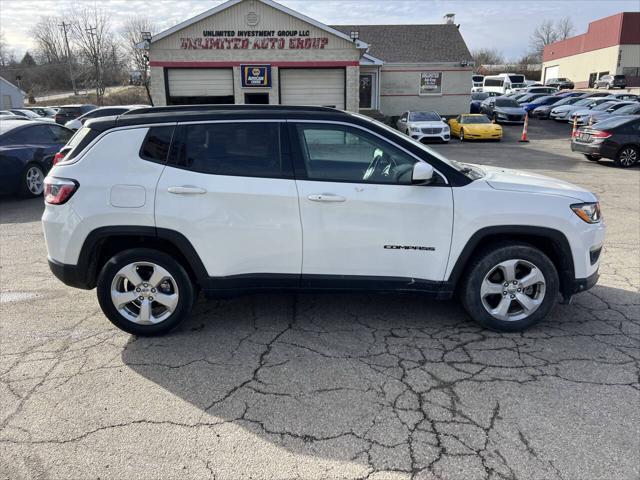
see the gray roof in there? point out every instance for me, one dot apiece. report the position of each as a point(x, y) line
point(412, 43)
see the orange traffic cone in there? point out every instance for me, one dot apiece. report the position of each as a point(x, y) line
point(524, 128)
point(575, 127)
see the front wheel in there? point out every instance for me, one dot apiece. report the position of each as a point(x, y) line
point(627, 157)
point(510, 287)
point(145, 292)
point(461, 135)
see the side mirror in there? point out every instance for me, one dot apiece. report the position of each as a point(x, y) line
point(422, 173)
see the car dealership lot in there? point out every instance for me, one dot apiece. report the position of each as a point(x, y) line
point(319, 386)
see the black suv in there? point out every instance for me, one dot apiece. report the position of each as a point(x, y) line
point(559, 83)
point(616, 138)
point(69, 112)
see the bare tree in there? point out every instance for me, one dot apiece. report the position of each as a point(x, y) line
point(564, 28)
point(91, 33)
point(49, 40)
point(486, 56)
point(5, 53)
point(138, 57)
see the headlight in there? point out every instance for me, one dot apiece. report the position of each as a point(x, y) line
point(588, 212)
point(415, 129)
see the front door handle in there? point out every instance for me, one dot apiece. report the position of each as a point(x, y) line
point(186, 190)
point(326, 197)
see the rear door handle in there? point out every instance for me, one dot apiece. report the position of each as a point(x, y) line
point(326, 197)
point(186, 190)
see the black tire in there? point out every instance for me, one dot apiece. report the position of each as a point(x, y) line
point(185, 288)
point(487, 261)
point(461, 135)
point(592, 157)
point(24, 189)
point(627, 156)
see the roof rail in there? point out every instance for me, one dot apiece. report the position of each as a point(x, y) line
point(230, 107)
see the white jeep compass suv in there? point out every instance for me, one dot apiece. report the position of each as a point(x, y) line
point(153, 206)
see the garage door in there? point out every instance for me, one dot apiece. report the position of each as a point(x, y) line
point(551, 72)
point(321, 86)
point(200, 82)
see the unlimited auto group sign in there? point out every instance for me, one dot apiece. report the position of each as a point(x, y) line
point(254, 40)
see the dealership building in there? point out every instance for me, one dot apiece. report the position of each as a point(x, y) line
point(261, 52)
point(610, 46)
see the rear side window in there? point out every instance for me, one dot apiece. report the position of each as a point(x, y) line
point(79, 142)
point(250, 149)
point(156, 144)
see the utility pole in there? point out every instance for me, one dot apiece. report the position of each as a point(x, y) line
point(91, 31)
point(66, 41)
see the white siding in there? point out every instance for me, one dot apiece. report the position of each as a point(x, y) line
point(313, 86)
point(200, 82)
point(551, 72)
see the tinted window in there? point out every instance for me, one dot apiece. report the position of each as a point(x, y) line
point(493, 82)
point(32, 135)
point(346, 154)
point(475, 119)
point(619, 77)
point(59, 134)
point(612, 123)
point(628, 109)
point(70, 111)
point(479, 96)
point(156, 144)
point(242, 149)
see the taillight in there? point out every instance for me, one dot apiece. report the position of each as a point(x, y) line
point(59, 190)
point(58, 157)
point(601, 134)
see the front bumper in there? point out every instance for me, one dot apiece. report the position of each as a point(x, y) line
point(422, 137)
point(580, 285)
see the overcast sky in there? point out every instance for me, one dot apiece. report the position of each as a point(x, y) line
point(501, 24)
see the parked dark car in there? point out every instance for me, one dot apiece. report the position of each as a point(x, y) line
point(27, 148)
point(69, 112)
point(502, 110)
point(529, 97)
point(45, 112)
point(477, 98)
point(539, 102)
point(543, 111)
point(617, 138)
point(560, 83)
point(611, 81)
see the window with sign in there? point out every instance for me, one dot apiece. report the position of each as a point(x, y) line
point(430, 83)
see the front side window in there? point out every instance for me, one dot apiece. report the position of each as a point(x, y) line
point(346, 154)
point(59, 134)
point(250, 149)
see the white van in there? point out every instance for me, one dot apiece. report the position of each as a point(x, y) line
point(503, 83)
point(476, 83)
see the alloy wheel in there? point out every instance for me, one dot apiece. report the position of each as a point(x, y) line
point(35, 180)
point(628, 157)
point(513, 290)
point(144, 293)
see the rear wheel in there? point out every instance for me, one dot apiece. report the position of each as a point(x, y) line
point(32, 183)
point(591, 157)
point(510, 287)
point(627, 157)
point(145, 292)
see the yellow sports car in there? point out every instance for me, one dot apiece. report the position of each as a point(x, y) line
point(470, 126)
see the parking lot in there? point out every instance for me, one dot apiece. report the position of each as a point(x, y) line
point(315, 386)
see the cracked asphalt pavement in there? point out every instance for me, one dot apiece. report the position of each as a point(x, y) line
point(328, 386)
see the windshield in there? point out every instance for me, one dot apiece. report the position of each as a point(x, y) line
point(424, 117)
point(584, 101)
point(618, 77)
point(467, 170)
point(612, 123)
point(506, 102)
point(562, 80)
point(475, 119)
